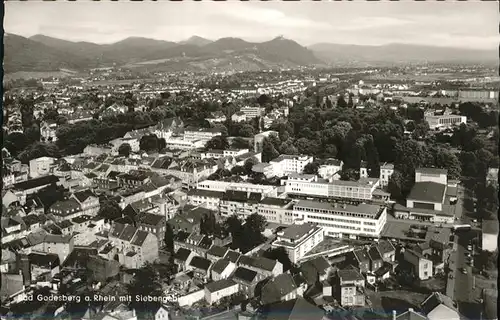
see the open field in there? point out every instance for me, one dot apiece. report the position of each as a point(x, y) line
point(37, 75)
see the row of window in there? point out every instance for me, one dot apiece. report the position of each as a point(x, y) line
point(338, 226)
point(332, 212)
point(336, 219)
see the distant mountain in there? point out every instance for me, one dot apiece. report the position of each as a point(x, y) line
point(45, 53)
point(196, 41)
point(22, 54)
point(404, 53)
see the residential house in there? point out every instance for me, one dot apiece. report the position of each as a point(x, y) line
point(200, 267)
point(183, 258)
point(281, 288)
point(66, 209)
point(422, 266)
point(134, 247)
point(376, 261)
point(216, 253)
point(317, 269)
point(247, 280)
point(439, 306)
point(222, 269)
point(360, 259)
point(24, 188)
point(351, 284)
point(62, 245)
point(386, 250)
point(408, 315)
point(215, 291)
point(89, 202)
point(262, 265)
point(155, 224)
point(293, 309)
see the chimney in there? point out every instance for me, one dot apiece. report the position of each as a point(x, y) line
point(393, 314)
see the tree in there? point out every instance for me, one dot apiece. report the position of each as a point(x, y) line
point(269, 152)
point(37, 150)
point(169, 238)
point(341, 102)
point(234, 227)
point(348, 174)
point(208, 224)
point(149, 143)
point(240, 143)
point(248, 165)
point(395, 185)
point(288, 148)
point(263, 99)
point(311, 168)
point(110, 210)
point(217, 142)
point(124, 149)
point(146, 283)
point(254, 226)
point(350, 103)
point(238, 170)
point(246, 130)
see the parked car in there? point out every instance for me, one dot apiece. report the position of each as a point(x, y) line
point(464, 271)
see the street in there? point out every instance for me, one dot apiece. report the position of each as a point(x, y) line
point(461, 286)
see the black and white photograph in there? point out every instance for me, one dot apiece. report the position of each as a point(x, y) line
point(250, 160)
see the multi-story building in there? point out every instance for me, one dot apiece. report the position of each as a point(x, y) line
point(134, 247)
point(240, 203)
point(422, 266)
point(41, 166)
point(252, 112)
point(66, 209)
point(203, 134)
point(182, 144)
point(290, 164)
point(339, 220)
point(478, 94)
point(205, 198)
point(276, 210)
point(217, 154)
point(223, 186)
point(89, 202)
point(311, 186)
point(351, 284)
point(386, 171)
point(298, 240)
point(444, 121)
point(330, 170)
point(48, 132)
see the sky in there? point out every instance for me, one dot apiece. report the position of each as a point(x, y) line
point(468, 24)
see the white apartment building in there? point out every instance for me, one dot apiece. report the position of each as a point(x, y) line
point(289, 164)
point(310, 185)
point(259, 139)
point(239, 203)
point(330, 170)
point(180, 144)
point(277, 210)
point(444, 121)
point(298, 240)
point(341, 220)
point(203, 134)
point(252, 112)
point(431, 175)
point(223, 186)
point(217, 154)
point(41, 166)
point(386, 171)
point(205, 198)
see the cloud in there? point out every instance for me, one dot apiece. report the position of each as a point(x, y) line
point(364, 23)
point(271, 17)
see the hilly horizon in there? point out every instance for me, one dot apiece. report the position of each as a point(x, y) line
point(45, 53)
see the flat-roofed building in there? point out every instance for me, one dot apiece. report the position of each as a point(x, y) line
point(276, 210)
point(431, 175)
point(298, 240)
point(339, 220)
point(444, 121)
point(312, 186)
point(289, 164)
